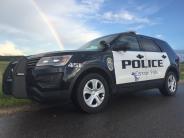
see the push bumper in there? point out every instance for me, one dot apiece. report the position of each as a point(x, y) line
point(40, 84)
point(14, 79)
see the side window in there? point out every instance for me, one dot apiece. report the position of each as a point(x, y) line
point(95, 44)
point(149, 45)
point(131, 40)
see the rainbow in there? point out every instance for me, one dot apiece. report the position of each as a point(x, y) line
point(49, 24)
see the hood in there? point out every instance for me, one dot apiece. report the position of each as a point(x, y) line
point(59, 53)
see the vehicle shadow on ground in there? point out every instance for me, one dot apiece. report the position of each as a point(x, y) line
point(124, 103)
point(120, 102)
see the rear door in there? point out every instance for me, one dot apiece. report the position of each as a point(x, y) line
point(157, 61)
point(128, 64)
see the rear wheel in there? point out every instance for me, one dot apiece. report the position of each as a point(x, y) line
point(92, 93)
point(170, 85)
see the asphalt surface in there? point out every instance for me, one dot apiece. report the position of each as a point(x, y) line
point(141, 114)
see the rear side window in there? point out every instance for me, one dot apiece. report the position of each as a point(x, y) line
point(131, 40)
point(149, 45)
point(166, 47)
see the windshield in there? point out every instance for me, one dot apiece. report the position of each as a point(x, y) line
point(94, 45)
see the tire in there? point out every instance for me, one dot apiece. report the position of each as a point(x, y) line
point(170, 85)
point(89, 97)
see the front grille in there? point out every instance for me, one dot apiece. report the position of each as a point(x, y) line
point(31, 63)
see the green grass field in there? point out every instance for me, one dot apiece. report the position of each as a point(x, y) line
point(8, 101)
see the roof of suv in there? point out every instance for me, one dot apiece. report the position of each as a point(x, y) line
point(134, 33)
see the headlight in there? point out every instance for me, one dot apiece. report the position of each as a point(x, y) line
point(54, 61)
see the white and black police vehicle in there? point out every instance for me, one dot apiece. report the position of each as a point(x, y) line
point(91, 74)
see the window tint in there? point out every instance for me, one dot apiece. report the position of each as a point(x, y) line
point(130, 40)
point(149, 45)
point(95, 44)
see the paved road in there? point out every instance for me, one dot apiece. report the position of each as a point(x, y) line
point(143, 114)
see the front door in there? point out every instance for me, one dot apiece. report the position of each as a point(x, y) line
point(129, 64)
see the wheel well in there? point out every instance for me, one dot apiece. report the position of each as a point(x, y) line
point(93, 70)
point(175, 71)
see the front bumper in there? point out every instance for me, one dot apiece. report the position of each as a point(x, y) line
point(23, 79)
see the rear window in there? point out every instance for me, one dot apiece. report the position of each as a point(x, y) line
point(149, 45)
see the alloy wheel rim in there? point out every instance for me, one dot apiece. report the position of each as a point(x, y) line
point(172, 83)
point(94, 93)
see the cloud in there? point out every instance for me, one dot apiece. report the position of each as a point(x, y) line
point(160, 36)
point(75, 22)
point(124, 17)
point(71, 7)
point(73, 31)
point(134, 14)
point(8, 48)
point(24, 25)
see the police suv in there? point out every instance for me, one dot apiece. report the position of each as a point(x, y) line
point(91, 74)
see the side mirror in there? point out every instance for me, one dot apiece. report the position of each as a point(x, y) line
point(120, 47)
point(104, 44)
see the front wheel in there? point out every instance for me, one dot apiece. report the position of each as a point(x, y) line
point(92, 93)
point(170, 85)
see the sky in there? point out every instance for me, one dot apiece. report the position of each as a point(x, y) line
point(35, 26)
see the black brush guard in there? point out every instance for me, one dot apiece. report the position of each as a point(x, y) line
point(14, 79)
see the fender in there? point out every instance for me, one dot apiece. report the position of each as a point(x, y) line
point(173, 67)
point(98, 65)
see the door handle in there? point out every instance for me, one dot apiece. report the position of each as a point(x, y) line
point(140, 56)
point(163, 56)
